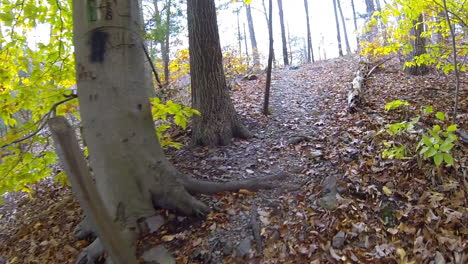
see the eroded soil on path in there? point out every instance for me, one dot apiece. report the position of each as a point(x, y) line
point(384, 211)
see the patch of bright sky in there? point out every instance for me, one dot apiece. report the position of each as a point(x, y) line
point(322, 23)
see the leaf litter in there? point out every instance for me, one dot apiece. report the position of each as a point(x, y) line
point(351, 206)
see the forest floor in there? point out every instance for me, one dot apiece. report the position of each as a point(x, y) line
point(341, 202)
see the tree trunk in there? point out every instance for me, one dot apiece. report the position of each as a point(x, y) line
point(419, 48)
point(239, 35)
point(355, 24)
point(253, 40)
point(338, 34)
point(377, 3)
point(266, 102)
point(283, 33)
point(219, 122)
point(166, 50)
point(370, 9)
point(245, 45)
point(348, 48)
point(289, 45)
point(310, 50)
point(267, 19)
point(132, 175)
point(131, 171)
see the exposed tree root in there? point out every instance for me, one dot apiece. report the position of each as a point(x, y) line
point(195, 186)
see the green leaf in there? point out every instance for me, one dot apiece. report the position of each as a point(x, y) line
point(451, 138)
point(436, 128)
point(431, 152)
point(424, 150)
point(395, 105)
point(426, 140)
point(440, 116)
point(438, 158)
point(428, 109)
point(446, 146)
point(452, 128)
point(448, 159)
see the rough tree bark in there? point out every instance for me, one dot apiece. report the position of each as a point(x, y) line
point(419, 48)
point(338, 34)
point(218, 122)
point(131, 172)
point(310, 51)
point(253, 40)
point(348, 48)
point(283, 33)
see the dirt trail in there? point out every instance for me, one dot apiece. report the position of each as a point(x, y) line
point(293, 138)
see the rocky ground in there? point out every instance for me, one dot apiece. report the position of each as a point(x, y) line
point(341, 203)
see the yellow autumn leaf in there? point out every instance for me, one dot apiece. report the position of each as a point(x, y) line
point(387, 191)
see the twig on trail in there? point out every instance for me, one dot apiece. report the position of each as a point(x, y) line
point(44, 120)
point(256, 229)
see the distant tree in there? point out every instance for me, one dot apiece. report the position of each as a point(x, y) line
point(419, 48)
point(348, 48)
point(370, 9)
point(355, 23)
point(163, 29)
point(266, 101)
point(253, 40)
point(338, 34)
point(310, 51)
point(283, 33)
point(239, 35)
point(218, 122)
point(267, 19)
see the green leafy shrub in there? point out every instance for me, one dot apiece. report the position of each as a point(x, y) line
point(436, 144)
point(166, 115)
point(395, 104)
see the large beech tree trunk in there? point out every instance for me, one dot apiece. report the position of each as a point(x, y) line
point(419, 48)
point(132, 174)
point(283, 33)
point(310, 50)
point(218, 122)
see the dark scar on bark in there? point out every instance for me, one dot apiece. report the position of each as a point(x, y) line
point(98, 45)
point(140, 106)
